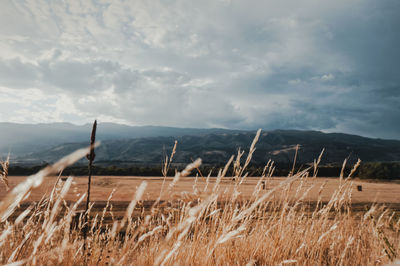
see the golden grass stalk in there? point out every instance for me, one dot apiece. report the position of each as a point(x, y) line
point(276, 226)
point(18, 193)
point(4, 172)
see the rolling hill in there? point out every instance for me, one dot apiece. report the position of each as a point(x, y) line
point(23, 139)
point(217, 147)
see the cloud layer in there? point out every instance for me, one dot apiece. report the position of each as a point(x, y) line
point(325, 65)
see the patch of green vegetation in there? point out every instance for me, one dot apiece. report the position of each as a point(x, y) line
point(379, 170)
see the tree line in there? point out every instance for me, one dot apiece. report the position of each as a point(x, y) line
point(369, 170)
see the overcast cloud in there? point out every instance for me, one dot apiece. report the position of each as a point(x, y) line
point(324, 65)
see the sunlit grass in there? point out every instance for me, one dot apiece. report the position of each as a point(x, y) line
point(200, 228)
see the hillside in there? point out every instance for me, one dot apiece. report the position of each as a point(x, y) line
point(22, 139)
point(216, 148)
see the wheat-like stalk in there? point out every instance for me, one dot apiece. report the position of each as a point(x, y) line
point(275, 226)
point(4, 171)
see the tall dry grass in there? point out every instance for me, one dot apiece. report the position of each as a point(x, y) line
point(201, 229)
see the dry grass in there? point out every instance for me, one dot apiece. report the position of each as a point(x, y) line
point(373, 192)
point(212, 223)
point(4, 172)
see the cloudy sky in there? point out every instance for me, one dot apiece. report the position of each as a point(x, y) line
point(324, 65)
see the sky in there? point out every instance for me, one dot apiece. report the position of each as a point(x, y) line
point(310, 65)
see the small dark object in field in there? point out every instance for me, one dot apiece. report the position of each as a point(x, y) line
point(64, 178)
point(263, 185)
point(359, 188)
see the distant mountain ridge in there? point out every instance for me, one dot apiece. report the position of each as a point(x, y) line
point(22, 139)
point(217, 147)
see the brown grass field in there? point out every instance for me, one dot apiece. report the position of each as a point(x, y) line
point(125, 188)
point(296, 220)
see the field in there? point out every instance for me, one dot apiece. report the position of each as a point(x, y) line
point(181, 220)
point(125, 188)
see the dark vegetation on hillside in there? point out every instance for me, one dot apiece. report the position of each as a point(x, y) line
point(140, 150)
point(216, 149)
point(370, 170)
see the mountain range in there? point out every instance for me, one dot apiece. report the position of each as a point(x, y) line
point(125, 145)
point(22, 139)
